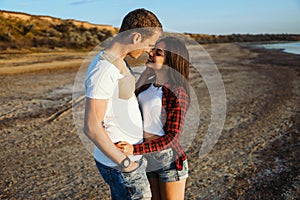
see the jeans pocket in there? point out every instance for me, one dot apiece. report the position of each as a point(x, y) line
point(165, 156)
point(160, 159)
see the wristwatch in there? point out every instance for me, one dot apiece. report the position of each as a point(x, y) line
point(126, 162)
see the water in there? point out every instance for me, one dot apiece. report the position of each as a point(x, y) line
point(290, 47)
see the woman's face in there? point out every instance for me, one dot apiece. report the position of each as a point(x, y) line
point(156, 59)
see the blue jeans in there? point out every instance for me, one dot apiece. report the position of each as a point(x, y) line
point(126, 185)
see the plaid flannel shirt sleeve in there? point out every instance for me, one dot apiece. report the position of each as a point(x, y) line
point(176, 104)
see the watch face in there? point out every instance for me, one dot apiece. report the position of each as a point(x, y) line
point(126, 162)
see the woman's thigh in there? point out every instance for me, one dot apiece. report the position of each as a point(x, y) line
point(172, 190)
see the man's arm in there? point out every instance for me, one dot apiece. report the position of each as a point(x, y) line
point(94, 114)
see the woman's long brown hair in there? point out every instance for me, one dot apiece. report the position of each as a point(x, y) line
point(177, 58)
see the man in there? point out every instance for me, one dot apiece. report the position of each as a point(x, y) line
point(112, 113)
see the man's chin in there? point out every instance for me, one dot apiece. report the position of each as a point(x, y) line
point(134, 56)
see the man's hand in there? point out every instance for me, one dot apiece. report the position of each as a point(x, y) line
point(125, 147)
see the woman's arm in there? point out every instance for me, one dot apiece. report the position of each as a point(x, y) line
point(175, 116)
point(174, 124)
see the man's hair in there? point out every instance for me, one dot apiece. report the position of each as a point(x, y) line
point(142, 20)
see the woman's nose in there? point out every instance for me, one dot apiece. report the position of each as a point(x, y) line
point(150, 53)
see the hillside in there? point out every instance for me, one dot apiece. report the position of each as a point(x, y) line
point(24, 31)
point(21, 31)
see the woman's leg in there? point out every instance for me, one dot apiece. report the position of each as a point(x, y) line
point(172, 190)
point(154, 185)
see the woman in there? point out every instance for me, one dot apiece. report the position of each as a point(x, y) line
point(164, 101)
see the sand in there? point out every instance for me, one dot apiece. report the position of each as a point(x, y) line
point(256, 156)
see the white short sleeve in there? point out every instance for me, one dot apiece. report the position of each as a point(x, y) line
point(101, 80)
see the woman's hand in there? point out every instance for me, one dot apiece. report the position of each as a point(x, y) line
point(144, 78)
point(125, 147)
point(148, 72)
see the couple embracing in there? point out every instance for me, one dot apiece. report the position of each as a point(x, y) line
point(136, 126)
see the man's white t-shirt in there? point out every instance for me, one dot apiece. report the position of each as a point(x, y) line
point(122, 120)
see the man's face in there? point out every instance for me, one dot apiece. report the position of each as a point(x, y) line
point(145, 46)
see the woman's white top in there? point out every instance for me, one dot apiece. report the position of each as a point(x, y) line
point(150, 102)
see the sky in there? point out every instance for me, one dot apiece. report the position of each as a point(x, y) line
point(217, 17)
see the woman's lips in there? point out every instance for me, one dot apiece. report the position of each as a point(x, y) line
point(150, 60)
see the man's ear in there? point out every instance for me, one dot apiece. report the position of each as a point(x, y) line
point(136, 38)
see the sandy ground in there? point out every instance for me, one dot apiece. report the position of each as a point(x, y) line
point(256, 156)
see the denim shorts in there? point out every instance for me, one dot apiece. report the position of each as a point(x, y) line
point(161, 165)
point(126, 185)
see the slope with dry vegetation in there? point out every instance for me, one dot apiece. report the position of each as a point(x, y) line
point(24, 31)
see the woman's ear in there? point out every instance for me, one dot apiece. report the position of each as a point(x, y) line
point(136, 38)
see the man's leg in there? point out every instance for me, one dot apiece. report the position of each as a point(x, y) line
point(137, 183)
point(130, 185)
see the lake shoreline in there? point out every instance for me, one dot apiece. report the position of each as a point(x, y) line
point(283, 46)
